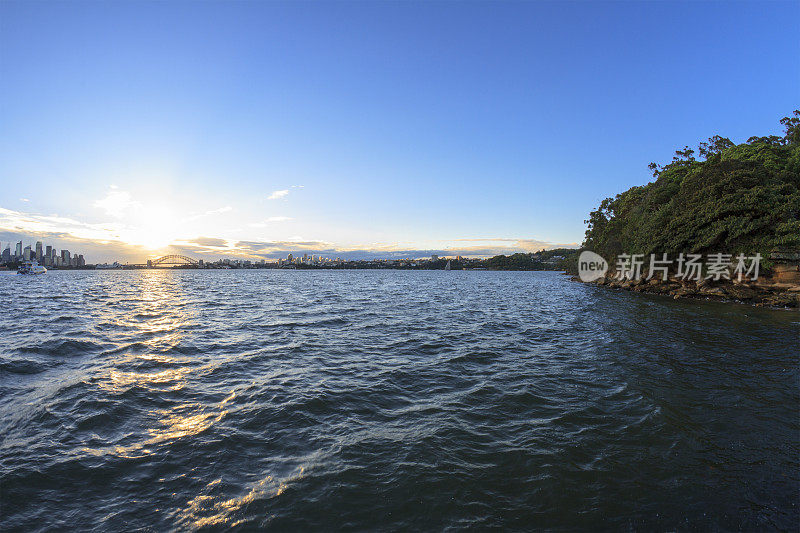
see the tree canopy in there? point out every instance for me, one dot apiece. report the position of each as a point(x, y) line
point(737, 198)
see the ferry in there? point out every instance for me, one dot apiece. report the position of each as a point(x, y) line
point(31, 267)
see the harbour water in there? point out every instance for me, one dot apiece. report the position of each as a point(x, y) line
point(385, 400)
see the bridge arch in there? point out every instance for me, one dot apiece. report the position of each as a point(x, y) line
point(173, 260)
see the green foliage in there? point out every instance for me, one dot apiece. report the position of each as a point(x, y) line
point(555, 259)
point(741, 198)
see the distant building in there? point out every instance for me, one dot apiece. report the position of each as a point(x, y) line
point(6, 256)
point(65, 258)
point(26, 253)
point(39, 252)
point(18, 251)
point(434, 258)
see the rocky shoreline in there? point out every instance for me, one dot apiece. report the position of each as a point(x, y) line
point(763, 292)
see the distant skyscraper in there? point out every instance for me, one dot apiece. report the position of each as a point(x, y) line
point(26, 253)
point(6, 256)
point(65, 258)
point(18, 252)
point(39, 252)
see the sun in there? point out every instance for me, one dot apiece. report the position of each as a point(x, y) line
point(153, 227)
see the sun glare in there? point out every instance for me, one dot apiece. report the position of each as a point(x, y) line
point(154, 227)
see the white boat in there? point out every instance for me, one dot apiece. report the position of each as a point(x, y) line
point(31, 267)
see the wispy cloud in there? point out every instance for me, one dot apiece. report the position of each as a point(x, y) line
point(210, 242)
point(35, 223)
point(267, 221)
point(117, 203)
point(211, 212)
point(277, 195)
point(219, 211)
point(113, 240)
point(517, 245)
point(24, 200)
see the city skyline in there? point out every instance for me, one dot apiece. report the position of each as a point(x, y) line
point(15, 251)
point(45, 254)
point(355, 130)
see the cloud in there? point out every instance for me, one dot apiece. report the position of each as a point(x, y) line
point(53, 224)
point(219, 211)
point(518, 245)
point(111, 241)
point(98, 242)
point(24, 200)
point(212, 212)
point(267, 221)
point(277, 195)
point(117, 203)
point(212, 242)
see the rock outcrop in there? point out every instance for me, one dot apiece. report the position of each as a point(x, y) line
point(763, 292)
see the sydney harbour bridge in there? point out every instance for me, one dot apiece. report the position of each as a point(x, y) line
point(172, 261)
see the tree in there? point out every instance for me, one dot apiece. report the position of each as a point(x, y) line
point(792, 126)
point(741, 198)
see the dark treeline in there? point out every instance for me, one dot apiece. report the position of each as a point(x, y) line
point(723, 197)
point(555, 259)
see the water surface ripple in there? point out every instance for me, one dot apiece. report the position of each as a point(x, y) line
point(385, 400)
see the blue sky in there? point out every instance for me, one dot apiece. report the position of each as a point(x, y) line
point(394, 128)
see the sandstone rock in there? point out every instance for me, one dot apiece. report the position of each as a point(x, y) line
point(782, 300)
point(742, 292)
point(683, 292)
point(787, 277)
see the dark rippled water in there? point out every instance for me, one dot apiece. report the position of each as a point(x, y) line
point(365, 400)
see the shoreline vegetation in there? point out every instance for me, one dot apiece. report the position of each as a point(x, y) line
point(741, 198)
